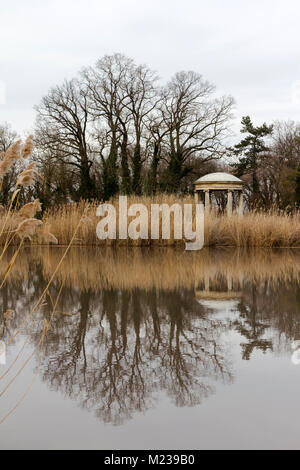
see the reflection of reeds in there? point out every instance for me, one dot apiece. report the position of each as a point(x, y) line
point(39, 349)
point(128, 268)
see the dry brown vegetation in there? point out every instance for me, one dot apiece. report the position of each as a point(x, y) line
point(17, 224)
point(22, 223)
point(261, 229)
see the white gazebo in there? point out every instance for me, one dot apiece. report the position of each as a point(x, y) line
point(219, 182)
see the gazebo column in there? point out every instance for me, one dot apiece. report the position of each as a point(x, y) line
point(197, 197)
point(207, 201)
point(241, 203)
point(229, 203)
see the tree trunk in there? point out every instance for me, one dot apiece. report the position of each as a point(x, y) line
point(137, 166)
point(125, 173)
point(152, 186)
point(87, 184)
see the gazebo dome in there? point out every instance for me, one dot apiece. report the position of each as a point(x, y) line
point(220, 177)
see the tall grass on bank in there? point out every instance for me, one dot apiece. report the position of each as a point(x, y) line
point(261, 229)
point(17, 226)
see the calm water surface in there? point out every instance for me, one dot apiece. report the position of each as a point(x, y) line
point(151, 349)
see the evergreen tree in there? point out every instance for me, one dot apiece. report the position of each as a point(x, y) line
point(249, 151)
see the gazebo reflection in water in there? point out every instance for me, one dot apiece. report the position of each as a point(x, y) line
point(219, 294)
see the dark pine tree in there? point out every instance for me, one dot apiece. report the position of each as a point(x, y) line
point(249, 151)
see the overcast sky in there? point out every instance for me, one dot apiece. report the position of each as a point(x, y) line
point(247, 48)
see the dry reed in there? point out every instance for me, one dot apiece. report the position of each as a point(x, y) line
point(254, 229)
point(16, 226)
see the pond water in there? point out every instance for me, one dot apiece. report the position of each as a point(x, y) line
point(151, 349)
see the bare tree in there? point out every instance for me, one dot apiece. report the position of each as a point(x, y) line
point(141, 99)
point(107, 95)
point(278, 168)
point(62, 129)
point(122, 96)
point(157, 132)
point(196, 122)
point(117, 131)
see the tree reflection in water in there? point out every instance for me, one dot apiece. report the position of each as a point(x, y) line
point(121, 348)
point(114, 350)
